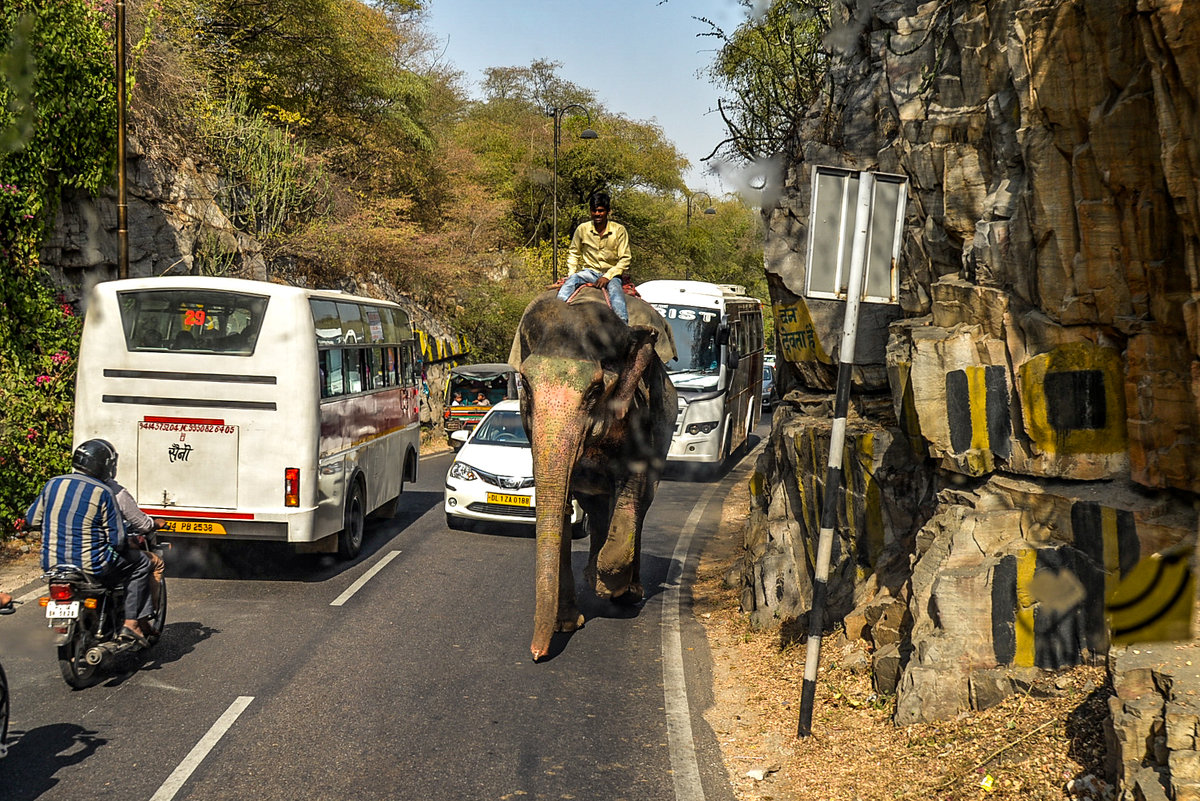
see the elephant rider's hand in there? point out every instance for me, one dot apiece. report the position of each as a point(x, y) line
point(601, 282)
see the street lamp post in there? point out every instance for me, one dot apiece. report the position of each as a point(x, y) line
point(122, 207)
point(588, 133)
point(687, 273)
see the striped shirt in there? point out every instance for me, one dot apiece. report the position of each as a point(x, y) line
point(80, 522)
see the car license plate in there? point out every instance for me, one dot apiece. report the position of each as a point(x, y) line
point(193, 527)
point(508, 500)
point(60, 610)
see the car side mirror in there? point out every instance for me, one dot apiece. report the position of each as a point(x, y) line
point(460, 436)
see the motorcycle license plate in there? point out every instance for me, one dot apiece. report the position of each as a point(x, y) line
point(62, 610)
point(508, 500)
point(193, 527)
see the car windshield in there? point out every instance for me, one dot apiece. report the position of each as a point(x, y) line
point(501, 428)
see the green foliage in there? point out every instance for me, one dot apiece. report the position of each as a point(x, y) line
point(269, 183)
point(324, 65)
point(772, 66)
point(57, 131)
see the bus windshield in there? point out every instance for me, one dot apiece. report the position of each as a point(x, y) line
point(695, 332)
point(191, 320)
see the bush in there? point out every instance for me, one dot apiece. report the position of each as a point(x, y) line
point(57, 131)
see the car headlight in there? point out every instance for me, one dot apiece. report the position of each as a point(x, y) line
point(702, 428)
point(463, 471)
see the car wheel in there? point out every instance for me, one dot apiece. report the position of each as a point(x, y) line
point(350, 538)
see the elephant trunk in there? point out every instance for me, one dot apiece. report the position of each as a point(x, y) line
point(558, 424)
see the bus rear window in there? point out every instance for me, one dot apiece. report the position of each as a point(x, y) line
point(191, 321)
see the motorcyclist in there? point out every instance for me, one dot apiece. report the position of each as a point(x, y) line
point(82, 525)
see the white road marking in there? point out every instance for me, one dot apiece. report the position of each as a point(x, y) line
point(363, 579)
point(192, 761)
point(684, 769)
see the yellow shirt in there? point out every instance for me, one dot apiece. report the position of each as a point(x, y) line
point(607, 253)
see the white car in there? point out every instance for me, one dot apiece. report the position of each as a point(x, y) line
point(491, 477)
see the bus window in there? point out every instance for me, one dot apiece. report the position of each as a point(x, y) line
point(374, 324)
point(195, 321)
point(352, 324)
point(332, 384)
point(326, 321)
point(378, 379)
point(352, 358)
point(391, 366)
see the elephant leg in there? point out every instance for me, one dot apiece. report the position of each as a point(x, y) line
point(618, 572)
point(598, 512)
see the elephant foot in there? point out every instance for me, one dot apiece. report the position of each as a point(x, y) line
point(633, 595)
point(569, 620)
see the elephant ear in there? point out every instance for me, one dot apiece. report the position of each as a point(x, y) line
point(638, 357)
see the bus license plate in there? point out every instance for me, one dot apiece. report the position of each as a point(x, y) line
point(193, 527)
point(60, 610)
point(508, 500)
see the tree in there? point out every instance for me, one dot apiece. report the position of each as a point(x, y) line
point(772, 66)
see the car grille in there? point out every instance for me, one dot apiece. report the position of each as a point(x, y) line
point(502, 509)
point(505, 482)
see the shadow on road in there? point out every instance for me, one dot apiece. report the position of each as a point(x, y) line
point(241, 560)
point(36, 755)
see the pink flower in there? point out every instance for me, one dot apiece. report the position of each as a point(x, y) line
point(67, 310)
point(60, 357)
point(33, 434)
point(42, 379)
point(18, 523)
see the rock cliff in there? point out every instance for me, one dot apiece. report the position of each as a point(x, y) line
point(1036, 470)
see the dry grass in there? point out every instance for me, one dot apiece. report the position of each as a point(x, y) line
point(1025, 748)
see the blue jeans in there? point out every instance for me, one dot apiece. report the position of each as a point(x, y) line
point(615, 289)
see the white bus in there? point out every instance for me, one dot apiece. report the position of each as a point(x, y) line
point(718, 372)
point(250, 410)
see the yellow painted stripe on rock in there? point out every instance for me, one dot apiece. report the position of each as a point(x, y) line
point(1023, 615)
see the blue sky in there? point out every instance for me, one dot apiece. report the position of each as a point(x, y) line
point(640, 57)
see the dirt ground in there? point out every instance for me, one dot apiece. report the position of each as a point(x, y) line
point(1029, 747)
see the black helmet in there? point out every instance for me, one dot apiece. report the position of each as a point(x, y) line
point(96, 458)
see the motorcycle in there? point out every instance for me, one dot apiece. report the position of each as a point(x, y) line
point(7, 609)
point(87, 616)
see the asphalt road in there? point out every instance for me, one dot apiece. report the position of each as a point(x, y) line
point(404, 674)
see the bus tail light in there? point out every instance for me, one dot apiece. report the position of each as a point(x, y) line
point(291, 486)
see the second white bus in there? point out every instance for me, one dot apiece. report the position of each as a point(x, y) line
point(718, 371)
point(249, 410)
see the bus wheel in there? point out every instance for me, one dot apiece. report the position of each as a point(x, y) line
point(350, 539)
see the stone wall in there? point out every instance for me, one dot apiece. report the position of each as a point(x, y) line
point(1041, 368)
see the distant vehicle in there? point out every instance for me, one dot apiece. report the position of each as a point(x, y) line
point(463, 409)
point(718, 372)
point(768, 388)
point(250, 410)
point(491, 477)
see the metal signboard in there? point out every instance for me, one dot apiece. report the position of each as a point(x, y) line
point(832, 225)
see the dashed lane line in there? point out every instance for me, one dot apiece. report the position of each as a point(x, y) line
point(192, 761)
point(363, 579)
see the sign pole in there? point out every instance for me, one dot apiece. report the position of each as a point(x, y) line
point(837, 441)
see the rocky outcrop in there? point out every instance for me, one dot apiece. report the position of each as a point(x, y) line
point(1043, 361)
point(174, 222)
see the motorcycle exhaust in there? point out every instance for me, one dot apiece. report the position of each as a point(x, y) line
point(104, 653)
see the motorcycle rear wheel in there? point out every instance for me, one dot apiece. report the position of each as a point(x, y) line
point(3, 713)
point(75, 670)
point(158, 620)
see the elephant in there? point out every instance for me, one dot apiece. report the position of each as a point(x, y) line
point(599, 410)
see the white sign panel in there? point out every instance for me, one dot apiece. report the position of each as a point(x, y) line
point(187, 464)
point(831, 228)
